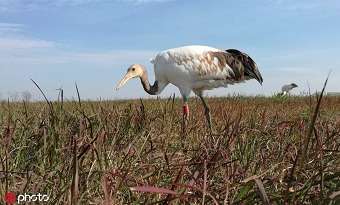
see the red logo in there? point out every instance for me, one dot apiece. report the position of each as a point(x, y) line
point(10, 198)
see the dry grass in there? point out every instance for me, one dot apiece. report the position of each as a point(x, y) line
point(130, 151)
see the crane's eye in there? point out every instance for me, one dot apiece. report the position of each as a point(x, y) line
point(133, 69)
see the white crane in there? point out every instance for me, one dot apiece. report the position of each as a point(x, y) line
point(195, 68)
point(286, 88)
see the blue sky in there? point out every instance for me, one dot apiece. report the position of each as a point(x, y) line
point(93, 42)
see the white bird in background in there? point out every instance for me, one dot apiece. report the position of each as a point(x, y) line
point(286, 88)
point(195, 68)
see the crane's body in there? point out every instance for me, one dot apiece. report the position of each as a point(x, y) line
point(195, 68)
point(286, 88)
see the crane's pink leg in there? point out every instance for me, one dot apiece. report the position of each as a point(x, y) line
point(185, 120)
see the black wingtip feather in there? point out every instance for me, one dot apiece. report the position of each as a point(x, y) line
point(249, 64)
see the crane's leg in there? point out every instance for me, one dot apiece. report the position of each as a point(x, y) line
point(185, 118)
point(207, 113)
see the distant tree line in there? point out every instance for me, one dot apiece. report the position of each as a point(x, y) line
point(15, 96)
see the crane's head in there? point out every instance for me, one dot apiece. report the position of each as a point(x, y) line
point(134, 71)
point(293, 85)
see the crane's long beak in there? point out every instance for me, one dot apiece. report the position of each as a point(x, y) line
point(127, 77)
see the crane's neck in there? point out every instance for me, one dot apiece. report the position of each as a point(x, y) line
point(151, 89)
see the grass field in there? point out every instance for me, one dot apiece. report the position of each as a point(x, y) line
point(132, 152)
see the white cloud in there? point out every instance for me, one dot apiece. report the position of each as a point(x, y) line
point(23, 5)
point(306, 5)
point(12, 46)
point(100, 59)
point(30, 53)
point(113, 57)
point(136, 2)
point(7, 29)
point(18, 51)
point(73, 2)
point(13, 43)
point(19, 5)
point(300, 70)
